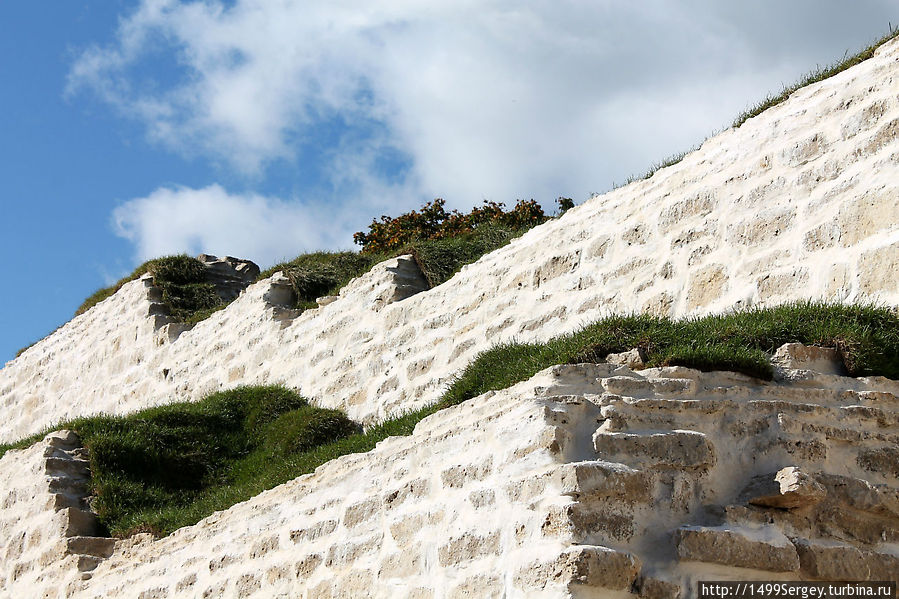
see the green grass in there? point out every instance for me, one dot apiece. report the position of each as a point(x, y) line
point(182, 279)
point(168, 467)
point(819, 74)
point(318, 274)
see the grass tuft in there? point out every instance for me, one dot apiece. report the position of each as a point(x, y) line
point(185, 288)
point(819, 74)
point(153, 469)
point(319, 274)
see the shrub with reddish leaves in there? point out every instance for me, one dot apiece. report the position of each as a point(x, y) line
point(432, 221)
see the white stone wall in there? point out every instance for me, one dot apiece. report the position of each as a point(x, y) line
point(800, 202)
point(586, 481)
point(46, 530)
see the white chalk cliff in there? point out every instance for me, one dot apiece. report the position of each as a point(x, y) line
point(586, 481)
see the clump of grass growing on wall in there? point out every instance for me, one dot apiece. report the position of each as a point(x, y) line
point(171, 466)
point(182, 279)
point(441, 243)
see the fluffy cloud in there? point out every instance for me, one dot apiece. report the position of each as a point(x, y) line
point(266, 230)
point(494, 99)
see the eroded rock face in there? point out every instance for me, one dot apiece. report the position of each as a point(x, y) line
point(511, 494)
point(775, 211)
point(796, 356)
point(229, 275)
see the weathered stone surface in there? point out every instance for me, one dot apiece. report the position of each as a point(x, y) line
point(706, 286)
point(789, 488)
point(831, 231)
point(676, 449)
point(797, 356)
point(763, 549)
point(582, 565)
point(421, 512)
point(229, 275)
point(773, 211)
point(635, 359)
point(653, 588)
point(832, 561)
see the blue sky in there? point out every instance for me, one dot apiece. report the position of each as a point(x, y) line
point(265, 128)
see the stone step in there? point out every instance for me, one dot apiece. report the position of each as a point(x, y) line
point(95, 546)
point(69, 486)
point(590, 480)
point(763, 548)
point(63, 439)
point(78, 522)
point(60, 501)
point(87, 563)
point(655, 449)
point(580, 567)
point(70, 466)
point(829, 560)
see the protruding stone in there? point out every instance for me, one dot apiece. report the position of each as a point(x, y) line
point(635, 359)
point(675, 449)
point(654, 588)
point(78, 522)
point(96, 546)
point(583, 565)
point(763, 549)
point(605, 479)
point(327, 299)
point(790, 488)
point(63, 438)
point(831, 561)
point(229, 275)
point(601, 567)
point(796, 356)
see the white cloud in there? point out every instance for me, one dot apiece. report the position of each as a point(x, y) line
point(210, 220)
point(495, 99)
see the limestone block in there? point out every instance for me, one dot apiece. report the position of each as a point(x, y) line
point(878, 270)
point(832, 561)
point(763, 228)
point(797, 356)
point(762, 549)
point(884, 460)
point(635, 359)
point(600, 567)
point(689, 210)
point(583, 565)
point(467, 547)
point(786, 284)
point(594, 479)
point(675, 449)
point(96, 546)
point(794, 489)
point(229, 275)
point(654, 588)
point(706, 285)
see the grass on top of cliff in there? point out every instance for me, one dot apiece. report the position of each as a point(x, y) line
point(819, 74)
point(318, 274)
point(185, 289)
point(168, 467)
